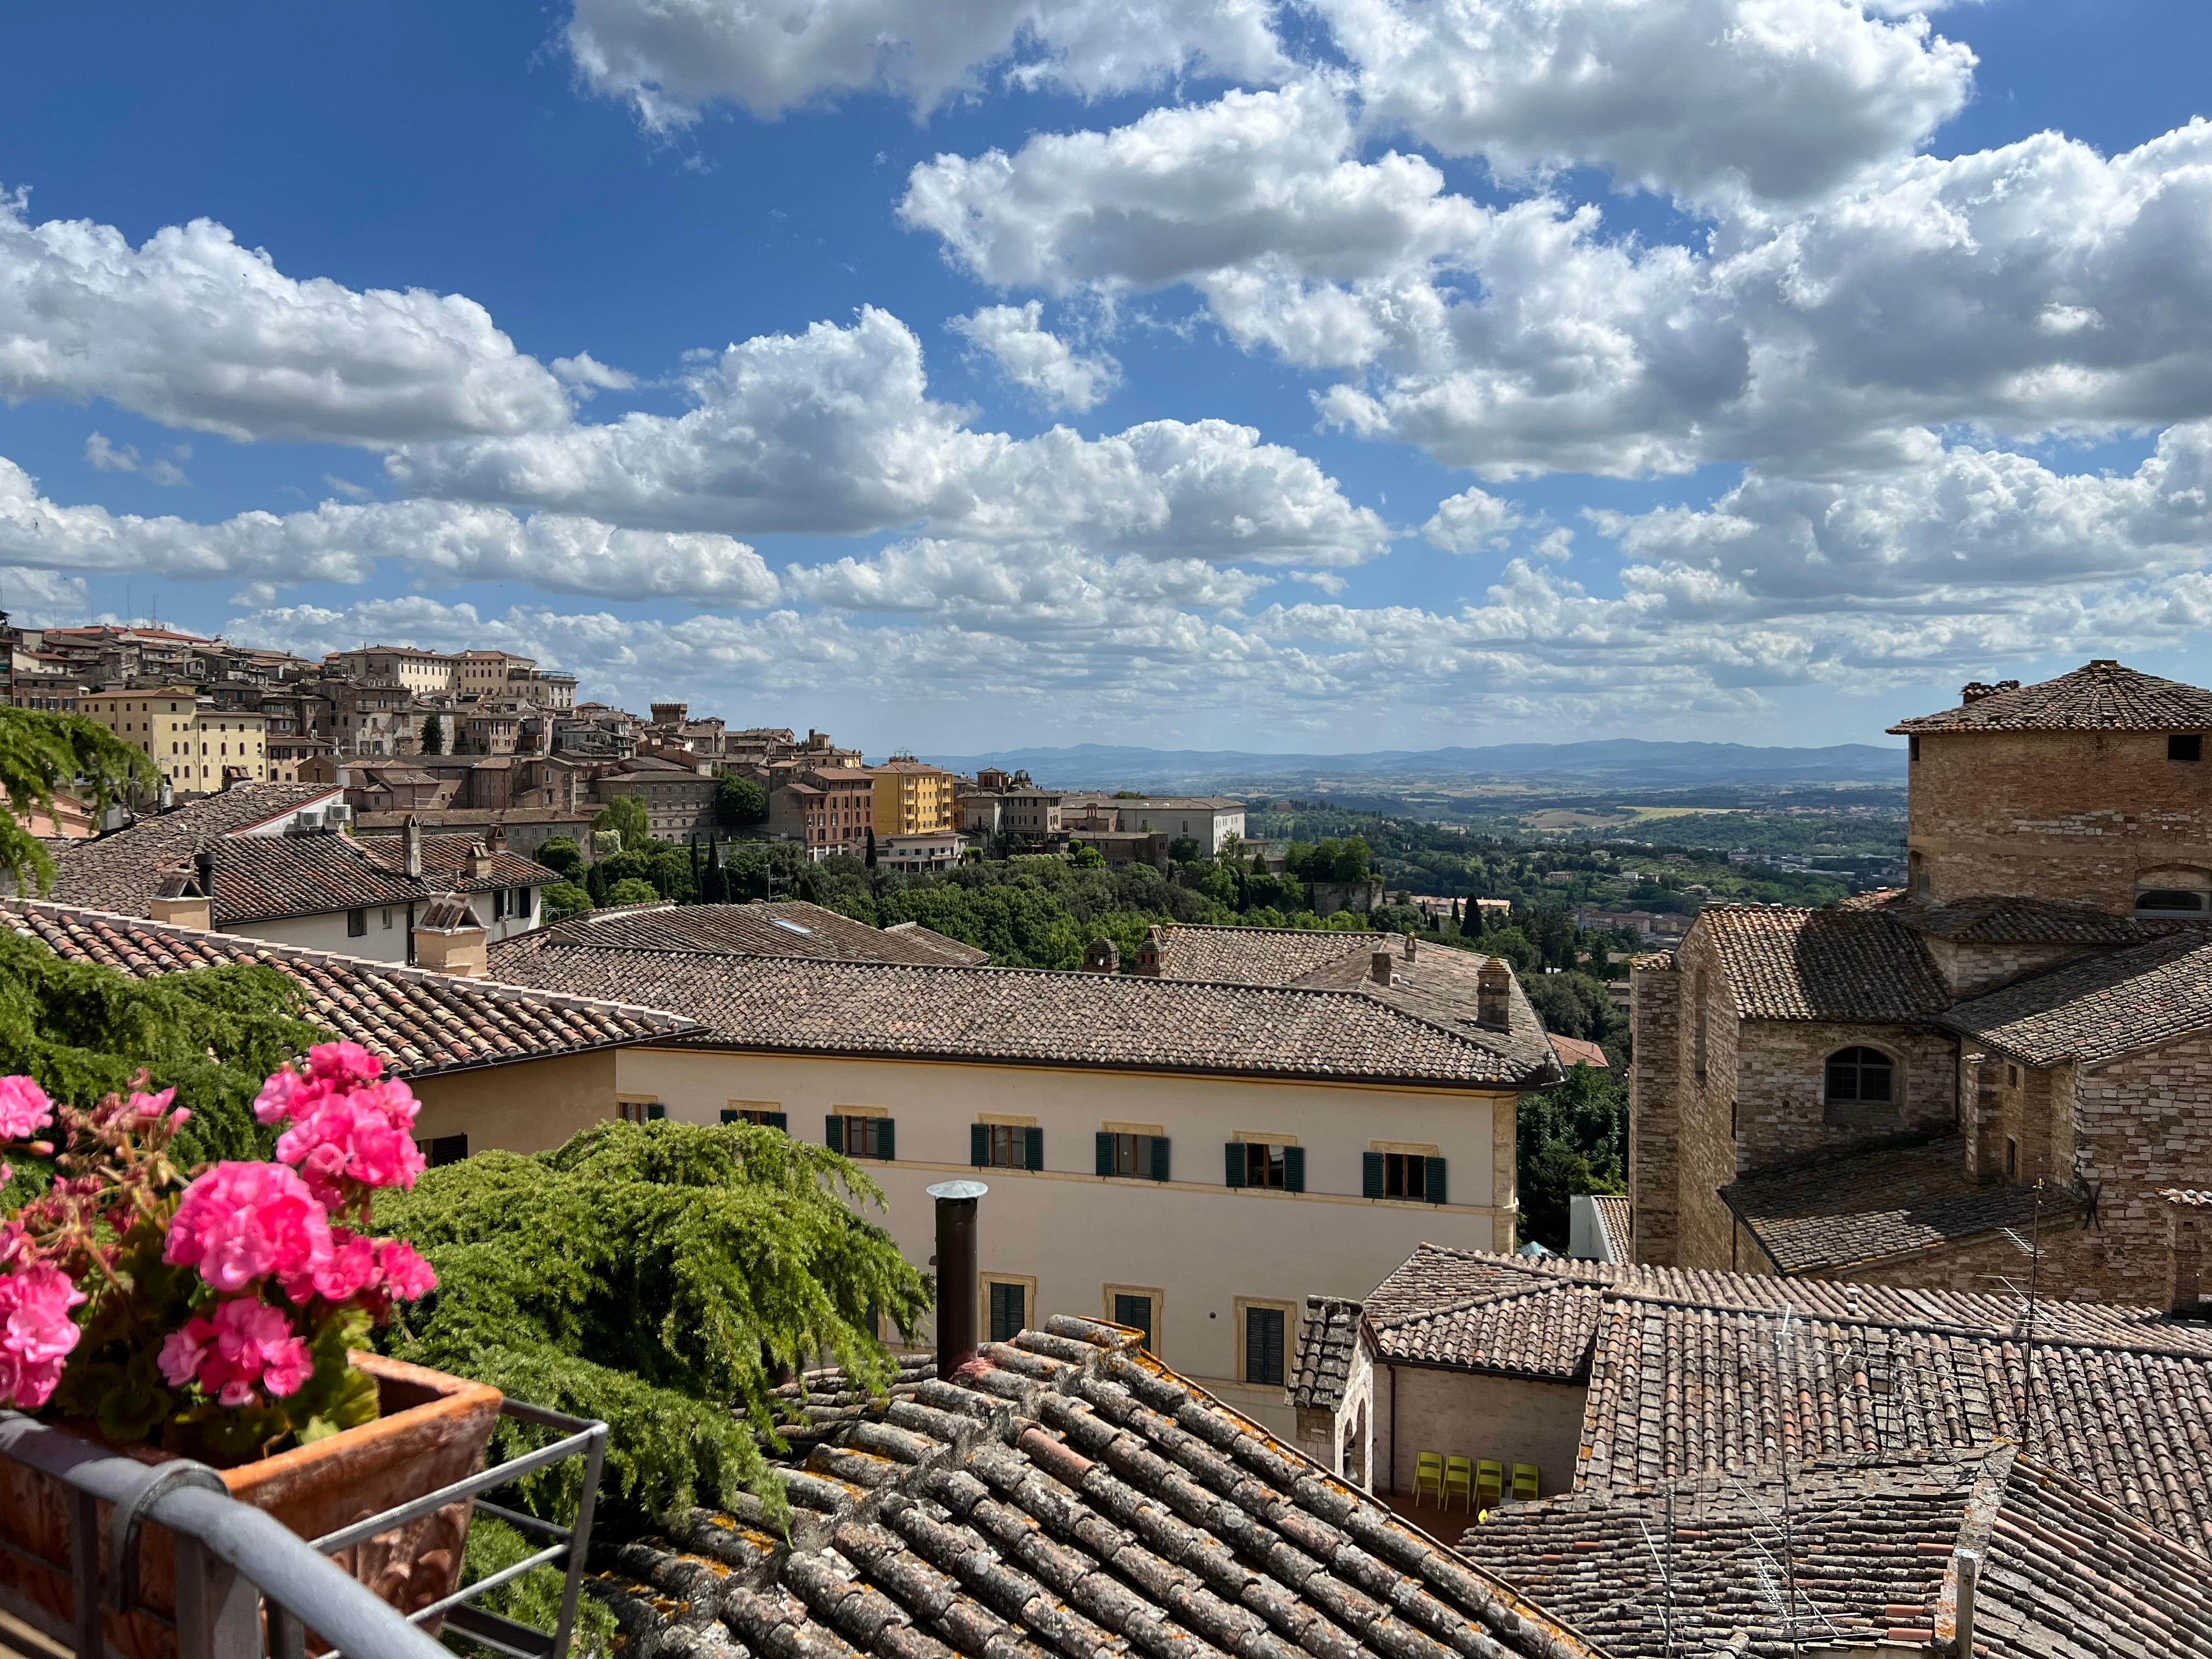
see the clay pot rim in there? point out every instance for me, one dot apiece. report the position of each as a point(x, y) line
point(456, 1397)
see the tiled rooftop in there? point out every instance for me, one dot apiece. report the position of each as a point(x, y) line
point(783, 1005)
point(1327, 1336)
point(2098, 1008)
point(2001, 919)
point(952, 950)
point(420, 1022)
point(2067, 1574)
point(1823, 1214)
point(1071, 1496)
point(116, 871)
point(1260, 956)
point(785, 928)
point(1783, 962)
point(1616, 1215)
point(2100, 696)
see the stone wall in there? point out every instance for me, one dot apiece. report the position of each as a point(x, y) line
point(1781, 1076)
point(1970, 970)
point(1654, 1091)
point(1509, 1419)
point(2145, 1122)
point(2035, 813)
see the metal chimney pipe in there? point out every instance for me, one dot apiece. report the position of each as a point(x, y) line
point(955, 1273)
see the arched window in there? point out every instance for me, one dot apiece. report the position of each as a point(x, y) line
point(2169, 901)
point(1859, 1076)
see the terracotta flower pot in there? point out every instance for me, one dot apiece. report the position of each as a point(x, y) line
point(433, 1431)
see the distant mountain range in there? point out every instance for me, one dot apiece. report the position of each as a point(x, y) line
point(1619, 762)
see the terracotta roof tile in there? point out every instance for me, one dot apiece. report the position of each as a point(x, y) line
point(2100, 696)
point(1114, 1020)
point(1827, 1213)
point(1616, 1216)
point(789, 928)
point(1068, 1496)
point(2005, 920)
point(2100, 1006)
point(116, 871)
point(1786, 963)
point(1327, 1336)
point(422, 1023)
point(1260, 956)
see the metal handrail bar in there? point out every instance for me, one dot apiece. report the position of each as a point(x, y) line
point(517, 1518)
point(227, 1550)
point(489, 1581)
point(468, 1486)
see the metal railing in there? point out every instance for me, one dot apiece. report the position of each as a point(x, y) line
point(231, 1557)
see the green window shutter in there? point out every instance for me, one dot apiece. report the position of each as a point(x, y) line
point(833, 1132)
point(1233, 1174)
point(1034, 1150)
point(779, 1121)
point(732, 1114)
point(1294, 1168)
point(1105, 1153)
point(887, 1138)
point(1159, 1158)
point(1434, 1177)
point(655, 1110)
point(979, 1144)
point(1371, 1174)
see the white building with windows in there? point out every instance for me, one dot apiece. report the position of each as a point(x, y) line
point(1192, 1157)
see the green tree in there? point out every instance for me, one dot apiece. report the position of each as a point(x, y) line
point(869, 859)
point(625, 815)
point(564, 899)
point(631, 890)
point(1086, 858)
point(1185, 849)
point(1572, 1138)
point(673, 875)
point(41, 753)
point(214, 1034)
point(561, 853)
point(596, 883)
point(434, 735)
point(1571, 1005)
point(656, 1276)
point(739, 803)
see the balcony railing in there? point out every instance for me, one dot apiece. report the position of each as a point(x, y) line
point(234, 1562)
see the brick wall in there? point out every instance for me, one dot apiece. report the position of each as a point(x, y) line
point(2146, 1121)
point(1970, 970)
point(1655, 1088)
point(2036, 813)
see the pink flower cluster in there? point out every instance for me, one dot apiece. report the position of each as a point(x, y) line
point(36, 1332)
point(24, 1108)
point(350, 1126)
point(246, 1344)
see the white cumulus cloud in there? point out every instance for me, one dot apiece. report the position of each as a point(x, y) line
point(1036, 359)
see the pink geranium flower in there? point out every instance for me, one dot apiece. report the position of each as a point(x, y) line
point(364, 1135)
point(242, 1222)
point(345, 1064)
point(36, 1333)
point(248, 1344)
point(24, 1108)
point(401, 1270)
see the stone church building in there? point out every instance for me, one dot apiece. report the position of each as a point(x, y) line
point(1999, 1070)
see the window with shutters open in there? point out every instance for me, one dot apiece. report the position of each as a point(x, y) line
point(1265, 1163)
point(1137, 1156)
point(638, 1108)
point(857, 1136)
point(1263, 1330)
point(1403, 1172)
point(1006, 1145)
point(768, 1114)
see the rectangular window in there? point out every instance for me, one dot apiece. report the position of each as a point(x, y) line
point(638, 1108)
point(1006, 1145)
point(859, 1137)
point(441, 1150)
point(2012, 1158)
point(1263, 1164)
point(1912, 747)
point(1402, 1172)
point(1009, 1308)
point(1405, 1175)
point(386, 916)
point(1138, 1309)
point(1263, 1347)
point(357, 923)
point(766, 1113)
point(1138, 1156)
point(2184, 746)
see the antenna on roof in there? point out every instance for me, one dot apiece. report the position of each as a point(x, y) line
point(1789, 1528)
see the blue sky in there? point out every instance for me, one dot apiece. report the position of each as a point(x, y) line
point(691, 346)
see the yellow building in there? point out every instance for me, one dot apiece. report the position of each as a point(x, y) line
point(912, 799)
point(195, 745)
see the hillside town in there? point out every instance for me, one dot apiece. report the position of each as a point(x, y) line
point(1915, 1217)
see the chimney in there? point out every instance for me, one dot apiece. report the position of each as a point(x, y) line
point(1493, 992)
point(1412, 945)
point(1149, 953)
point(2188, 1217)
point(448, 939)
point(956, 1273)
point(410, 838)
point(1378, 967)
point(1102, 956)
point(479, 861)
point(181, 900)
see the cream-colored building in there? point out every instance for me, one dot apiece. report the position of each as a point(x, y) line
point(1191, 1157)
point(423, 673)
point(197, 745)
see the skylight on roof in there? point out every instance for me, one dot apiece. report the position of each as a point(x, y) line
point(795, 927)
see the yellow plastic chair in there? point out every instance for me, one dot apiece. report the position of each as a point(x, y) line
point(1459, 1481)
point(1429, 1472)
point(1489, 1483)
point(1524, 1483)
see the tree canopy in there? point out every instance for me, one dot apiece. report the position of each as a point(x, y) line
point(657, 1276)
point(41, 753)
point(738, 802)
point(625, 815)
point(1573, 1138)
point(433, 734)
